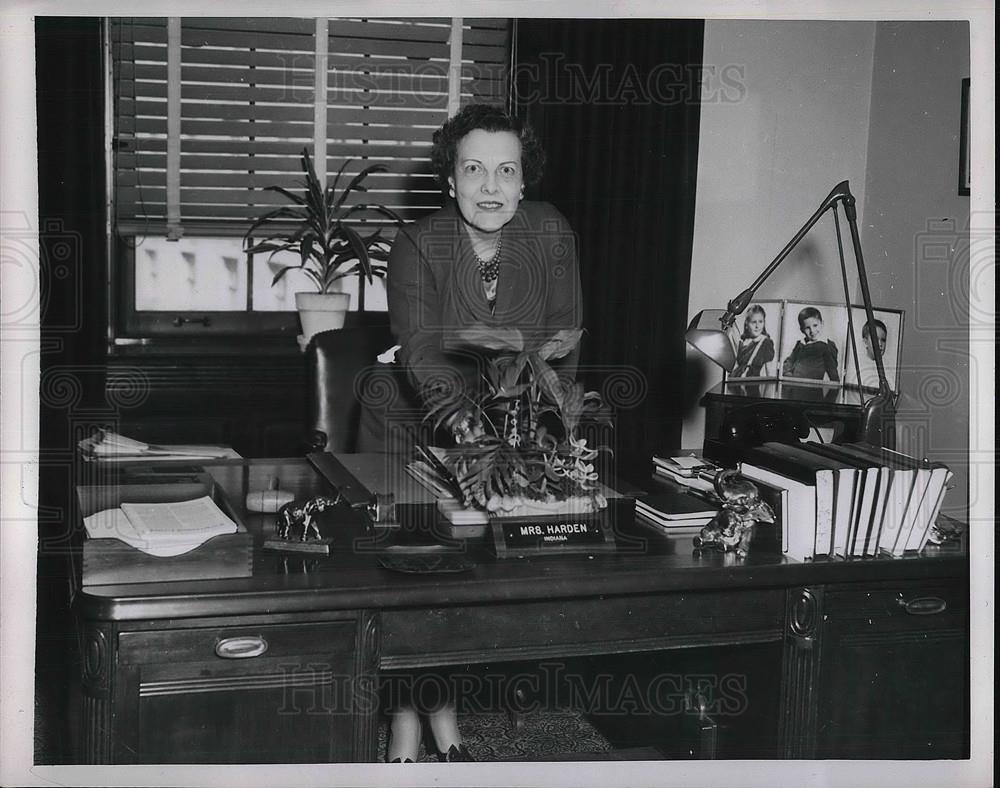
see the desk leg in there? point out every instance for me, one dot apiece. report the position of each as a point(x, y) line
point(366, 707)
point(96, 643)
point(797, 732)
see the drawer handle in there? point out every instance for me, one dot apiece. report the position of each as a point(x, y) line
point(241, 647)
point(922, 605)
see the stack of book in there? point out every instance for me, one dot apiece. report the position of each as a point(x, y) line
point(851, 500)
point(675, 511)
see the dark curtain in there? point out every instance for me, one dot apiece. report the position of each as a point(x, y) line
point(72, 242)
point(73, 275)
point(616, 105)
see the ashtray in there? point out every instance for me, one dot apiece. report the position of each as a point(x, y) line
point(425, 561)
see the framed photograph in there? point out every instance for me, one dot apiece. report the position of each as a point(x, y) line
point(889, 326)
point(813, 338)
point(757, 347)
point(964, 167)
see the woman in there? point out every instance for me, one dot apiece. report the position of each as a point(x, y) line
point(487, 259)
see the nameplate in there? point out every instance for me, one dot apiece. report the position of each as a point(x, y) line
point(542, 535)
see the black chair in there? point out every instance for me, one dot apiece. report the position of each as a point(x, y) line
point(337, 365)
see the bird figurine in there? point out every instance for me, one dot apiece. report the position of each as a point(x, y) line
point(742, 508)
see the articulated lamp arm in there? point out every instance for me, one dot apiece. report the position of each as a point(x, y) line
point(735, 307)
point(877, 420)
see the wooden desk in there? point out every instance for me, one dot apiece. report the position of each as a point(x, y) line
point(843, 668)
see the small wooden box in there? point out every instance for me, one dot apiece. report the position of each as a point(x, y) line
point(111, 561)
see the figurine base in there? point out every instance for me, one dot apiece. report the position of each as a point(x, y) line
point(312, 546)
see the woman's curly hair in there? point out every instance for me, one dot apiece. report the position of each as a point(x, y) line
point(487, 117)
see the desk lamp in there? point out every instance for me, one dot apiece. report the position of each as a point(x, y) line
point(712, 331)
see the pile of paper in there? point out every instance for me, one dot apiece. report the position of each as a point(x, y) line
point(110, 446)
point(161, 529)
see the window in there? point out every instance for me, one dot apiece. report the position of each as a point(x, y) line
point(208, 112)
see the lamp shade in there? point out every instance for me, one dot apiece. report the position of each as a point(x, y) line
point(707, 334)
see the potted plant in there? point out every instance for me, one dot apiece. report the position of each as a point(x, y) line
point(316, 228)
point(519, 449)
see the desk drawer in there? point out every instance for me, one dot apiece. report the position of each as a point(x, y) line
point(570, 627)
point(904, 605)
point(233, 644)
point(251, 693)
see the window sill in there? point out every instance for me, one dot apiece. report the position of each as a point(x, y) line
point(282, 347)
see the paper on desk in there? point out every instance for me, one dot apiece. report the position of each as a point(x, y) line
point(429, 478)
point(687, 463)
point(108, 445)
point(161, 529)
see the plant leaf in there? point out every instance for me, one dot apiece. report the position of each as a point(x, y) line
point(331, 189)
point(356, 181)
point(281, 272)
point(547, 379)
point(360, 250)
point(560, 344)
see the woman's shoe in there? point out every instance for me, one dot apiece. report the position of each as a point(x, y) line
point(403, 760)
point(457, 754)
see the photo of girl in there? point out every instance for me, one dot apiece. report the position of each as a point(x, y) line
point(815, 354)
point(755, 354)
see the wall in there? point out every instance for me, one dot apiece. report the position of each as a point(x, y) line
point(878, 104)
point(915, 233)
point(767, 160)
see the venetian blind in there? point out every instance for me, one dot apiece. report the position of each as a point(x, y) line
point(247, 107)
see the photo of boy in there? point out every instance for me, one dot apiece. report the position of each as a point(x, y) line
point(755, 353)
point(864, 374)
point(814, 356)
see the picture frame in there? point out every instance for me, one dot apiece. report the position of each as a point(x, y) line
point(864, 375)
point(964, 163)
point(757, 356)
point(813, 365)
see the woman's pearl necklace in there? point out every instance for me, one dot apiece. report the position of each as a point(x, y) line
point(489, 270)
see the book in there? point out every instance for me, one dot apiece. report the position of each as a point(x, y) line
point(877, 484)
point(161, 529)
point(923, 499)
point(852, 536)
point(675, 511)
point(940, 477)
point(672, 527)
point(801, 467)
point(835, 493)
point(676, 505)
point(777, 499)
point(929, 481)
point(910, 478)
point(798, 503)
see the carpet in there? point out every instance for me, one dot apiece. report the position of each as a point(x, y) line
point(543, 735)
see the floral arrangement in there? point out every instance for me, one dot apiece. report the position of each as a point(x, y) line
point(518, 448)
